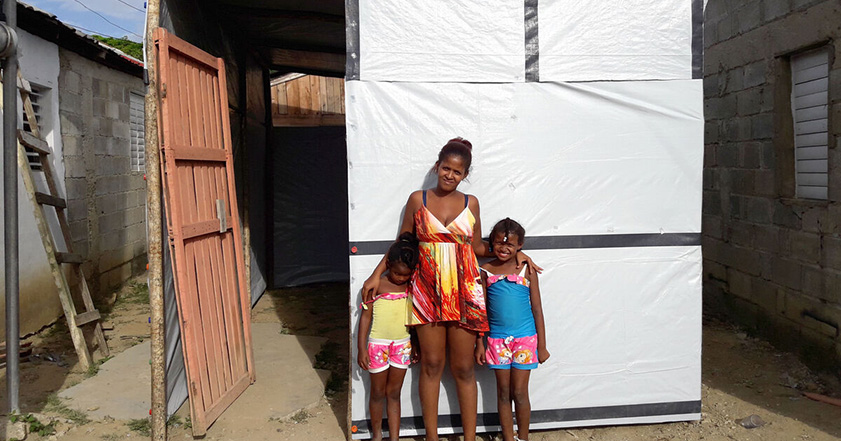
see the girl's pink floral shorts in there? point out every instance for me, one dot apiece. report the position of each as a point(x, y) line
point(385, 353)
point(505, 353)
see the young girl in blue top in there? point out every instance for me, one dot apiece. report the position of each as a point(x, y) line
point(517, 337)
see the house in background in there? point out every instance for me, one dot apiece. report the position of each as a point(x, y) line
point(772, 172)
point(89, 101)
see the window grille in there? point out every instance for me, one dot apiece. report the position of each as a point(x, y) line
point(809, 98)
point(138, 133)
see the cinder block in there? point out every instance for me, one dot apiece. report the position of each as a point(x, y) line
point(710, 80)
point(710, 33)
point(750, 154)
point(112, 259)
point(740, 233)
point(755, 73)
point(767, 296)
point(75, 167)
point(759, 210)
point(786, 272)
point(70, 81)
point(737, 206)
point(766, 98)
point(99, 88)
point(71, 145)
point(735, 80)
point(101, 126)
point(71, 123)
point(762, 126)
point(726, 28)
point(747, 101)
point(775, 9)
point(814, 219)
point(727, 155)
point(831, 252)
point(121, 129)
point(711, 226)
point(715, 270)
point(70, 102)
point(766, 238)
point(76, 188)
point(814, 282)
point(739, 283)
point(114, 278)
point(113, 109)
point(117, 92)
point(743, 181)
point(786, 215)
point(769, 155)
point(124, 112)
point(100, 107)
point(806, 246)
point(744, 259)
point(79, 230)
point(765, 183)
point(749, 16)
point(710, 136)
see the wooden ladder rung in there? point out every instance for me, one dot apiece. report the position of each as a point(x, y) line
point(87, 317)
point(48, 199)
point(37, 144)
point(69, 258)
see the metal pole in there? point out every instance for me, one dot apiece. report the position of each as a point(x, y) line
point(153, 219)
point(10, 215)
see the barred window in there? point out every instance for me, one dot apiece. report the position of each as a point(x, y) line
point(809, 98)
point(138, 132)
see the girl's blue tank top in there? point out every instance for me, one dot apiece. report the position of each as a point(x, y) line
point(509, 310)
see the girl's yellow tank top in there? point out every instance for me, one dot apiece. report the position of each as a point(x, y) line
point(390, 315)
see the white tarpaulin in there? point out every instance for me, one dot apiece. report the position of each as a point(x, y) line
point(605, 175)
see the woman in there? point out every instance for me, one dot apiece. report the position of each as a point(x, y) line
point(448, 303)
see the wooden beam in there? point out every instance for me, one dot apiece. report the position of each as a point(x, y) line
point(69, 258)
point(87, 317)
point(279, 14)
point(321, 61)
point(37, 144)
point(312, 120)
point(46, 199)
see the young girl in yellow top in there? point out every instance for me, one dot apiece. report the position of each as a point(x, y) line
point(387, 351)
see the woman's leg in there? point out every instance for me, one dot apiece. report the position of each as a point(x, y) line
point(522, 405)
point(433, 344)
point(392, 391)
point(503, 403)
point(461, 344)
point(375, 403)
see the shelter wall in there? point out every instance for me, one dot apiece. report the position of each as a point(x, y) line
point(39, 303)
point(106, 198)
point(772, 261)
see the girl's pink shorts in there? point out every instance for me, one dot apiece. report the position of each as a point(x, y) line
point(385, 353)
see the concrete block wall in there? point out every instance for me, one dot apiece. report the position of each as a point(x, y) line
point(772, 261)
point(106, 199)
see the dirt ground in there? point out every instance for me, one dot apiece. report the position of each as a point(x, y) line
point(741, 376)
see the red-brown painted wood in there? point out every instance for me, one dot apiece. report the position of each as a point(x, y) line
point(208, 260)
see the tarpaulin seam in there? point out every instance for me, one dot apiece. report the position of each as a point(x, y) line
point(557, 415)
point(531, 41)
point(363, 248)
point(697, 39)
point(352, 39)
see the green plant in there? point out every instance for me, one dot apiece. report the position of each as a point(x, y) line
point(94, 368)
point(300, 417)
point(54, 404)
point(136, 293)
point(131, 48)
point(35, 426)
point(143, 426)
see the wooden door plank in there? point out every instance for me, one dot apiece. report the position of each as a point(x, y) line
point(245, 296)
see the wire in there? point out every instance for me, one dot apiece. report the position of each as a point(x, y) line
point(91, 31)
point(109, 21)
point(131, 6)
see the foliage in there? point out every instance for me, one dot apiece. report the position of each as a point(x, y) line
point(143, 426)
point(35, 426)
point(94, 368)
point(131, 48)
point(54, 404)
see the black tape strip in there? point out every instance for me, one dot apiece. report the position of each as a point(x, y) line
point(697, 39)
point(352, 39)
point(567, 242)
point(557, 415)
point(532, 42)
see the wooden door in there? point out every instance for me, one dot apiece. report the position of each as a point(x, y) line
point(204, 231)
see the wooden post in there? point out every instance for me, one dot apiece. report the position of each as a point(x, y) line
point(155, 250)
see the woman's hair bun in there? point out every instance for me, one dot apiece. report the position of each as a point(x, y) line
point(461, 140)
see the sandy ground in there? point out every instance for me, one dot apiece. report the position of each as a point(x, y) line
point(742, 376)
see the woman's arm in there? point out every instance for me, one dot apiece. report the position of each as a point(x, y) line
point(480, 247)
point(372, 283)
point(362, 339)
point(537, 311)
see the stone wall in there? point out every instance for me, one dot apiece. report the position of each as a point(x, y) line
point(106, 199)
point(772, 261)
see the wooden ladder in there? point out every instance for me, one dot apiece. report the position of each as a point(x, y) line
point(90, 316)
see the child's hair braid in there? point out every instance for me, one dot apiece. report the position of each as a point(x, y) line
point(404, 249)
point(508, 226)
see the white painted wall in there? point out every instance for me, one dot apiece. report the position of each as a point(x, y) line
point(39, 304)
